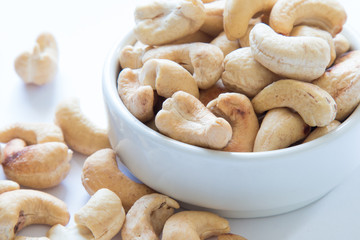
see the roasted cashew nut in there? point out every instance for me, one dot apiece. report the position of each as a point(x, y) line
point(100, 170)
point(184, 118)
point(304, 58)
point(146, 218)
point(226, 46)
point(313, 104)
point(8, 185)
point(321, 131)
point(213, 24)
point(79, 132)
point(342, 44)
point(237, 109)
point(325, 14)
point(230, 236)
point(41, 165)
point(20, 208)
point(194, 225)
point(279, 129)
point(160, 21)
point(204, 60)
point(40, 66)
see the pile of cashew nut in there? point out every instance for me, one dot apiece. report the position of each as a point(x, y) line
point(269, 75)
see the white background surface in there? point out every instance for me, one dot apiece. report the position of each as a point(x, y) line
point(85, 31)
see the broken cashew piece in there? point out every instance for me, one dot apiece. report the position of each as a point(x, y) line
point(39, 166)
point(237, 109)
point(20, 208)
point(194, 225)
point(321, 131)
point(225, 44)
point(146, 218)
point(160, 21)
point(303, 58)
point(8, 185)
point(213, 24)
point(230, 236)
point(279, 129)
point(313, 104)
point(184, 118)
point(80, 133)
point(342, 44)
point(40, 66)
point(328, 15)
point(100, 170)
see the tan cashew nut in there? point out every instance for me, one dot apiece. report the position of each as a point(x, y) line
point(20, 208)
point(146, 218)
point(79, 132)
point(225, 44)
point(314, 104)
point(238, 13)
point(167, 77)
point(76, 232)
point(244, 74)
point(194, 225)
point(237, 109)
point(321, 131)
point(100, 170)
point(204, 60)
point(40, 66)
point(303, 58)
point(184, 118)
point(279, 129)
point(41, 165)
point(8, 185)
point(213, 24)
point(160, 21)
point(244, 41)
point(325, 14)
point(342, 44)
point(131, 56)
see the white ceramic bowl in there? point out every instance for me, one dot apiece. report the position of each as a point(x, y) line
point(230, 184)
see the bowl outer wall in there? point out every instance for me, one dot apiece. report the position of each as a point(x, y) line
point(245, 184)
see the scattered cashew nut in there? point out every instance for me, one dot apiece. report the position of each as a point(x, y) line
point(321, 131)
point(342, 44)
point(225, 44)
point(8, 185)
point(213, 24)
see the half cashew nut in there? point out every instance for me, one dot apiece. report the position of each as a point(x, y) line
point(8, 185)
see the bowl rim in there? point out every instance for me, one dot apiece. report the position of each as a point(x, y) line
point(110, 94)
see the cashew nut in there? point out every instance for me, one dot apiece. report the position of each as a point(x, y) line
point(342, 82)
point(20, 208)
point(8, 185)
point(146, 218)
point(314, 104)
point(76, 232)
point(325, 14)
point(304, 58)
point(213, 24)
point(321, 131)
point(40, 66)
point(131, 56)
point(238, 13)
point(244, 41)
point(32, 133)
point(100, 170)
point(41, 165)
point(206, 95)
point(225, 44)
point(79, 132)
point(138, 99)
point(193, 225)
point(160, 21)
point(204, 60)
point(103, 214)
point(279, 129)
point(342, 44)
point(230, 236)
point(244, 74)
point(237, 109)
point(167, 77)
point(184, 118)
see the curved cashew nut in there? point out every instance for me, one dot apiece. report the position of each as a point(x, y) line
point(146, 218)
point(160, 22)
point(206, 95)
point(342, 44)
point(230, 236)
point(138, 99)
point(40, 66)
point(20, 208)
point(279, 129)
point(213, 24)
point(314, 104)
point(303, 58)
point(321, 131)
point(167, 77)
point(8, 185)
point(325, 14)
point(79, 132)
point(100, 170)
point(342, 82)
point(103, 214)
point(239, 112)
point(194, 225)
point(244, 74)
point(226, 46)
point(41, 165)
point(204, 60)
point(184, 118)
point(238, 13)
point(32, 133)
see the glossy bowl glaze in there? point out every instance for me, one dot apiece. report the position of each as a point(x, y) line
point(235, 185)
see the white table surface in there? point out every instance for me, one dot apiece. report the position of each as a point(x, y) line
point(85, 31)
